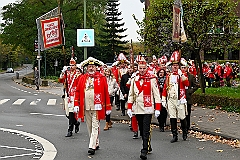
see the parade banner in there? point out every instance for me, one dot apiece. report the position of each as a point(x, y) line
point(51, 32)
point(176, 23)
point(179, 34)
point(49, 37)
point(183, 34)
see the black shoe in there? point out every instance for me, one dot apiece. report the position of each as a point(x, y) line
point(143, 154)
point(123, 114)
point(184, 135)
point(97, 148)
point(175, 139)
point(130, 127)
point(161, 129)
point(135, 135)
point(77, 127)
point(149, 149)
point(69, 134)
point(118, 108)
point(91, 151)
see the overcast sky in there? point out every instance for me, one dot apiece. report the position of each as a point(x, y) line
point(127, 7)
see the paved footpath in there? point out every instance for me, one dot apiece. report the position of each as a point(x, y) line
point(210, 121)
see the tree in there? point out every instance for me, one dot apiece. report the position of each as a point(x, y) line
point(19, 26)
point(198, 19)
point(111, 37)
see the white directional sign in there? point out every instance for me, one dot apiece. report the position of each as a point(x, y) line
point(85, 37)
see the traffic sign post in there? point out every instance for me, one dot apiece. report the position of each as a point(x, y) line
point(85, 37)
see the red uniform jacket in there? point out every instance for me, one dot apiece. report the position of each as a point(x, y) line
point(182, 88)
point(192, 69)
point(80, 95)
point(227, 72)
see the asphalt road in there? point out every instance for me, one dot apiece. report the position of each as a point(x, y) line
point(33, 126)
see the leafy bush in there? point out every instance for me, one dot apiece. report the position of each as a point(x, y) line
point(54, 78)
point(229, 104)
point(227, 98)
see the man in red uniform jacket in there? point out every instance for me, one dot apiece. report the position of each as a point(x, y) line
point(70, 78)
point(93, 100)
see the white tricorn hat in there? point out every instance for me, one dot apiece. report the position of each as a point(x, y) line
point(91, 61)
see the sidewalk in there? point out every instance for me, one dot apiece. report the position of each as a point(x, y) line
point(210, 121)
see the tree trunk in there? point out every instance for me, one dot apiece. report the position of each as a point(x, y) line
point(239, 58)
point(201, 77)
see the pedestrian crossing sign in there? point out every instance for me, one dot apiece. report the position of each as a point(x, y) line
point(85, 37)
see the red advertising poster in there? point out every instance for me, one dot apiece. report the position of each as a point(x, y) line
point(51, 32)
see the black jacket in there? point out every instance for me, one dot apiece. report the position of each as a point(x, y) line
point(193, 86)
point(124, 80)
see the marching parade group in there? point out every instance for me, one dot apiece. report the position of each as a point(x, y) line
point(140, 90)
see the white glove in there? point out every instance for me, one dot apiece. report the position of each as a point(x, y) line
point(164, 104)
point(179, 72)
point(157, 113)
point(76, 109)
point(108, 112)
point(64, 68)
point(129, 112)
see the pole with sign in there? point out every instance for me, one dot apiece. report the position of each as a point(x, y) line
point(85, 18)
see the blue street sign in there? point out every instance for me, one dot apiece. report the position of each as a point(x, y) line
point(85, 37)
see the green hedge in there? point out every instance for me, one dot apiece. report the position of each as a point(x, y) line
point(215, 100)
point(223, 61)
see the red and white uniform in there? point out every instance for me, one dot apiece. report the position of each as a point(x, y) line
point(227, 72)
point(218, 70)
point(175, 101)
point(70, 80)
point(192, 69)
point(143, 94)
point(93, 100)
point(205, 70)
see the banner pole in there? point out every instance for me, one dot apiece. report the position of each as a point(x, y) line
point(39, 58)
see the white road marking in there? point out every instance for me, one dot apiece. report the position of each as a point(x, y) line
point(25, 149)
point(19, 101)
point(14, 156)
point(33, 103)
point(48, 114)
point(51, 102)
point(49, 151)
point(4, 101)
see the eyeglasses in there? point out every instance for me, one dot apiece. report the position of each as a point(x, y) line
point(72, 65)
point(162, 72)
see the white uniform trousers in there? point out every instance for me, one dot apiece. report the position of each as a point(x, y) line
point(93, 128)
point(176, 110)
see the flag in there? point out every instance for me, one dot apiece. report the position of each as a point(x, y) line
point(178, 28)
point(183, 34)
point(50, 29)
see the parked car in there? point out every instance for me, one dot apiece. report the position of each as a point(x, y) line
point(10, 70)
